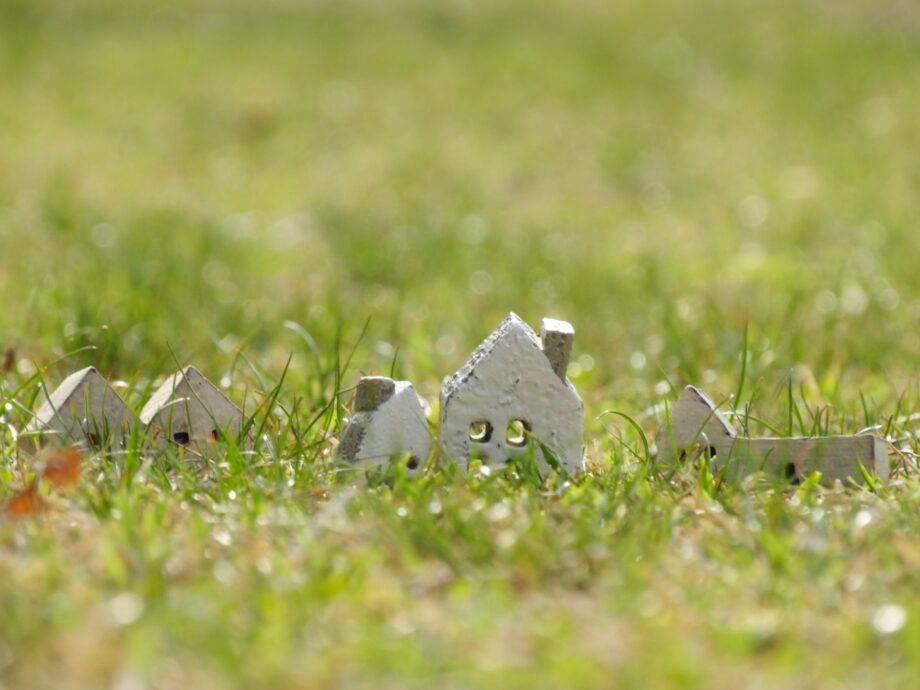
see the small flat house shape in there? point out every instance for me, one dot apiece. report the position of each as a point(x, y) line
point(82, 410)
point(512, 396)
point(696, 427)
point(190, 410)
point(388, 423)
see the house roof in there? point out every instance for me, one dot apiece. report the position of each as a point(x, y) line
point(692, 395)
point(71, 386)
point(390, 420)
point(693, 418)
point(169, 392)
point(63, 393)
point(512, 325)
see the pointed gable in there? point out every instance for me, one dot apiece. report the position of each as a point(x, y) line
point(187, 407)
point(388, 423)
point(83, 409)
point(511, 336)
point(509, 393)
point(696, 428)
point(694, 419)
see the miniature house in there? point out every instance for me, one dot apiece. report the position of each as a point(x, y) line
point(84, 410)
point(695, 425)
point(189, 410)
point(697, 428)
point(388, 424)
point(512, 398)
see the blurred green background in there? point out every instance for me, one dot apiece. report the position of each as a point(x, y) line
point(204, 181)
point(661, 174)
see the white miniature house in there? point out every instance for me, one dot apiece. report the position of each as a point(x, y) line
point(512, 397)
point(388, 423)
point(83, 410)
point(695, 427)
point(188, 410)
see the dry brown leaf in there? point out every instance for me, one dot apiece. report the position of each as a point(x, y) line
point(62, 468)
point(26, 503)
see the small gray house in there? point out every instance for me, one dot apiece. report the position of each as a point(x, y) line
point(83, 410)
point(189, 410)
point(512, 395)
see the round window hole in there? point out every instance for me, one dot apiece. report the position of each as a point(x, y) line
point(517, 433)
point(480, 432)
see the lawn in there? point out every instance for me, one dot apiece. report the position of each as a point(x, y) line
point(291, 194)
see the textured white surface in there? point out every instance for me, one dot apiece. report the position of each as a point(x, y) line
point(190, 410)
point(557, 339)
point(835, 457)
point(696, 427)
point(694, 420)
point(509, 378)
point(83, 409)
point(396, 428)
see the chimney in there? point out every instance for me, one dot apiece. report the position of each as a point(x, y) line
point(372, 392)
point(557, 338)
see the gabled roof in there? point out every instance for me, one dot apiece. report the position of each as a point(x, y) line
point(512, 327)
point(78, 410)
point(63, 394)
point(388, 421)
point(701, 407)
point(694, 419)
point(695, 423)
point(186, 384)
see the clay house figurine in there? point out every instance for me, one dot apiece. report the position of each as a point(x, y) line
point(388, 423)
point(512, 397)
point(83, 410)
point(190, 411)
point(697, 427)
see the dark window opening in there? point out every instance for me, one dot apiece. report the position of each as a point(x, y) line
point(480, 432)
point(517, 433)
point(790, 473)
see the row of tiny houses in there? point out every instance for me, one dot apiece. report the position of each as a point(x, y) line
point(187, 410)
point(510, 400)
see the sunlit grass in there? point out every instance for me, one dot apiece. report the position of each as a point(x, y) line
point(291, 195)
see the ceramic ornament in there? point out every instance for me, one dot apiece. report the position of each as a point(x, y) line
point(512, 397)
point(388, 424)
point(188, 410)
point(83, 410)
point(696, 427)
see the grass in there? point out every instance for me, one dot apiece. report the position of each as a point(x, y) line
point(296, 193)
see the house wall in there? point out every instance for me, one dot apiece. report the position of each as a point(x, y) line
point(514, 381)
point(396, 428)
point(198, 412)
point(693, 420)
point(90, 407)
